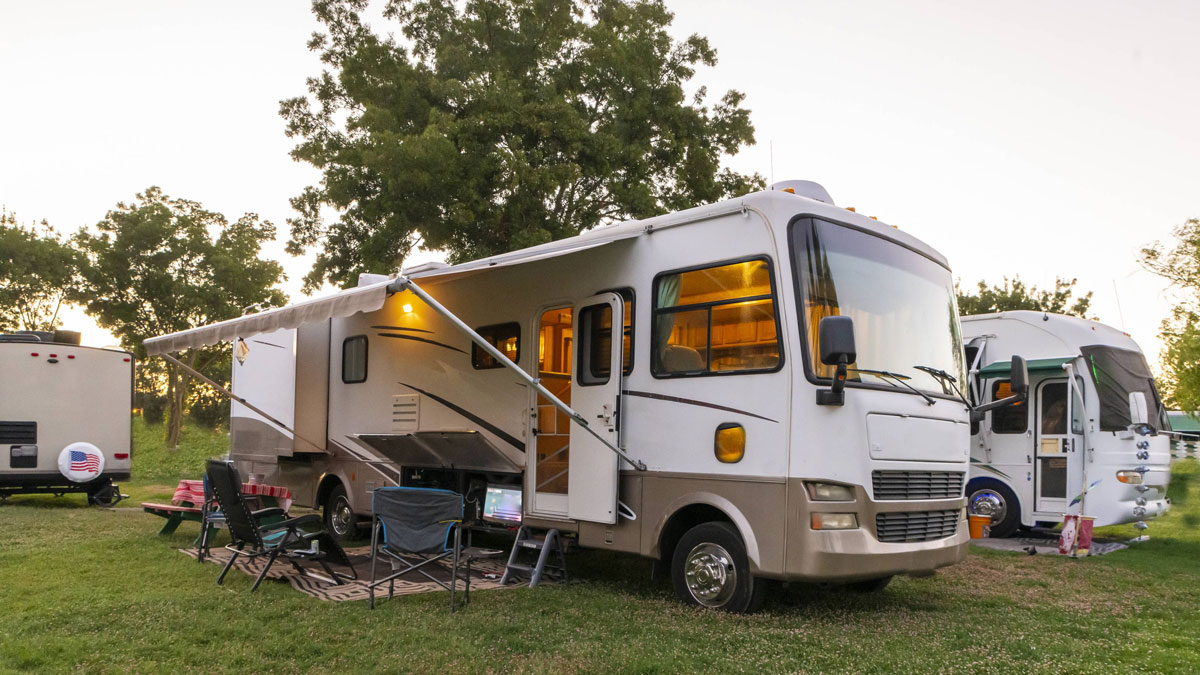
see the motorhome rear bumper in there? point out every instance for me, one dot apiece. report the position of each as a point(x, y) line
point(41, 483)
point(855, 554)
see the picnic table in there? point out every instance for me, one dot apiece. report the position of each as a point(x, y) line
point(188, 502)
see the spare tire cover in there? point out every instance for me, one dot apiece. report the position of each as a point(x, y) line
point(80, 462)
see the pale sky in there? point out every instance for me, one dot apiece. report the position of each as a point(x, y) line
point(1027, 138)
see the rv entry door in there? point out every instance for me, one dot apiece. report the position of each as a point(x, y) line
point(595, 395)
point(1059, 449)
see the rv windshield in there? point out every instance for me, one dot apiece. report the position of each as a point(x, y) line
point(902, 303)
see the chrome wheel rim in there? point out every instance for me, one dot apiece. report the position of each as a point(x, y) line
point(710, 574)
point(987, 502)
point(341, 517)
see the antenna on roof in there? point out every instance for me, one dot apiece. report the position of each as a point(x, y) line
point(1118, 297)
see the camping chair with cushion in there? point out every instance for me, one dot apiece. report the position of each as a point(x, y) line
point(211, 518)
point(415, 528)
point(251, 538)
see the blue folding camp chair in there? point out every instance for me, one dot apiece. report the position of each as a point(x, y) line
point(416, 528)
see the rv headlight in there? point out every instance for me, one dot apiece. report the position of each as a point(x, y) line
point(829, 492)
point(834, 521)
point(1130, 477)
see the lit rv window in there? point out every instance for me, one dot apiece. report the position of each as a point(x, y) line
point(715, 320)
point(1011, 419)
point(354, 359)
point(505, 337)
point(595, 348)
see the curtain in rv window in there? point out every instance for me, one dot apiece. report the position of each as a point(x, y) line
point(505, 337)
point(716, 320)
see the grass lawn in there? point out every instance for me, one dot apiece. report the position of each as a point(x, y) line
point(96, 589)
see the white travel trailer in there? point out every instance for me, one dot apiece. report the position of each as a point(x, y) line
point(65, 416)
point(770, 405)
point(1092, 419)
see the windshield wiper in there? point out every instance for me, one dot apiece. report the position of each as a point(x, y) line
point(898, 378)
point(945, 379)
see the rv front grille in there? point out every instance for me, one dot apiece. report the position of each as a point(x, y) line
point(18, 433)
point(915, 526)
point(917, 484)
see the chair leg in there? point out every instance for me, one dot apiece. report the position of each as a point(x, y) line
point(337, 579)
point(374, 551)
point(263, 574)
point(225, 570)
point(454, 566)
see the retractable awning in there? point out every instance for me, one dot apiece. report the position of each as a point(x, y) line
point(371, 297)
point(1002, 368)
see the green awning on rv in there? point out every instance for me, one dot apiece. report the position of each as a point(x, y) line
point(1001, 368)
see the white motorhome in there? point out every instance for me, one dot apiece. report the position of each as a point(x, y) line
point(65, 416)
point(1091, 420)
point(759, 412)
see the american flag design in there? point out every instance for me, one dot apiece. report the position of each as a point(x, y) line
point(85, 461)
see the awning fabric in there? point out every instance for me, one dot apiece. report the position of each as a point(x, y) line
point(1002, 368)
point(345, 303)
point(370, 298)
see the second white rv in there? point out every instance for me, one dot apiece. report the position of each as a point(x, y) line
point(751, 390)
point(1087, 439)
point(65, 416)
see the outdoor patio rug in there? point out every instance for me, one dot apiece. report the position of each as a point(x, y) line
point(312, 584)
point(1043, 544)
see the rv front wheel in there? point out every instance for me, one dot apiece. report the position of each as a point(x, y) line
point(870, 585)
point(990, 497)
point(710, 569)
point(339, 517)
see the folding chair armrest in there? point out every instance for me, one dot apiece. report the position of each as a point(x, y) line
point(267, 512)
point(292, 523)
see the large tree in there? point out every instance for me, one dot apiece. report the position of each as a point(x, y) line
point(490, 125)
point(1179, 263)
point(159, 265)
point(38, 270)
point(1015, 294)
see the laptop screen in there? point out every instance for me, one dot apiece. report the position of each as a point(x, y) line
point(503, 505)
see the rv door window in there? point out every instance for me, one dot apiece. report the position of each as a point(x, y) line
point(595, 325)
point(505, 337)
point(1011, 419)
point(354, 359)
point(716, 320)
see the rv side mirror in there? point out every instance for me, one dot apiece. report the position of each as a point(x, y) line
point(836, 346)
point(1139, 414)
point(1019, 376)
point(837, 340)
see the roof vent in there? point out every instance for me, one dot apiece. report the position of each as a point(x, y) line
point(366, 279)
point(424, 267)
point(804, 188)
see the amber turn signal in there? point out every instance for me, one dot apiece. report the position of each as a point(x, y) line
point(730, 443)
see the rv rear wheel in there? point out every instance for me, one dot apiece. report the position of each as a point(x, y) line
point(710, 569)
point(339, 517)
point(990, 497)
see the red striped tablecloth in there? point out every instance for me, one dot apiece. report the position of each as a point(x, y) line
point(192, 492)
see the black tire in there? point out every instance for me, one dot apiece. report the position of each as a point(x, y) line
point(712, 556)
point(340, 521)
point(104, 494)
point(988, 496)
point(870, 585)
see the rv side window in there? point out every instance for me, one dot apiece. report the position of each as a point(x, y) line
point(715, 320)
point(1011, 419)
point(505, 337)
point(354, 359)
point(595, 347)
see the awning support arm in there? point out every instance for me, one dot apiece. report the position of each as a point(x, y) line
point(234, 397)
point(403, 283)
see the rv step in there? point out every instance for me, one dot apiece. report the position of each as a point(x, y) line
point(545, 544)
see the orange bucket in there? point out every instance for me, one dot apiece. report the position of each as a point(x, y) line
point(981, 526)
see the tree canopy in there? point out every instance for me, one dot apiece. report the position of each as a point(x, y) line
point(1179, 263)
point(160, 265)
point(492, 125)
point(1015, 294)
point(37, 272)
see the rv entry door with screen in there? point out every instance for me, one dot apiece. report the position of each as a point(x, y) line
point(1058, 446)
point(595, 395)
